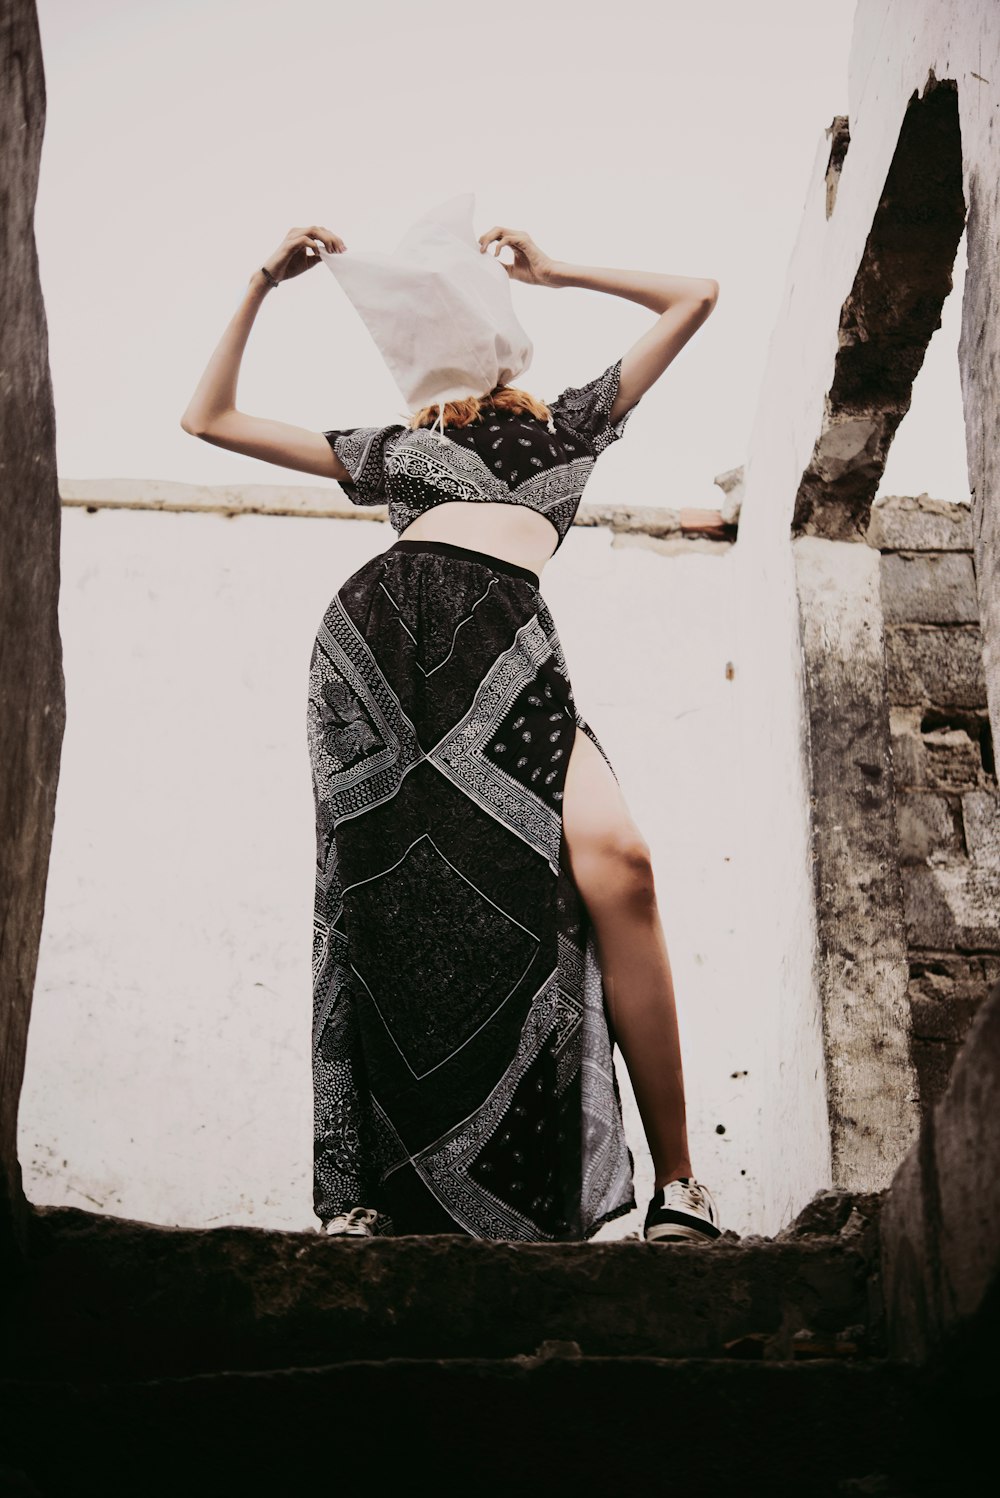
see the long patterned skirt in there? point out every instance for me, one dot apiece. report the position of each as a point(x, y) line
point(462, 1051)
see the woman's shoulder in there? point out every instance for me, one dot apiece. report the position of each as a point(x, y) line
point(365, 439)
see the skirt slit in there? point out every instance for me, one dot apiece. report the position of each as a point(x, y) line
point(463, 1072)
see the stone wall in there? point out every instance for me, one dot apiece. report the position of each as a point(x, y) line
point(31, 683)
point(947, 803)
point(940, 1236)
point(861, 961)
point(895, 179)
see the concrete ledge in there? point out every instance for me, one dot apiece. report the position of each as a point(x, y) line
point(109, 1297)
point(326, 502)
point(313, 500)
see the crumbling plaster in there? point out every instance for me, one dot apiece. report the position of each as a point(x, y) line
point(893, 49)
point(900, 55)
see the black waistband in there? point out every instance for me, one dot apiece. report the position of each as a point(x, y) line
point(446, 549)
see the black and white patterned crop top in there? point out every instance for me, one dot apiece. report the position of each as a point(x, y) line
point(499, 459)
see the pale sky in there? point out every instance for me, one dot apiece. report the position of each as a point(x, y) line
point(184, 139)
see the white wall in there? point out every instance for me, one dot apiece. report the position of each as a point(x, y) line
point(779, 909)
point(168, 1059)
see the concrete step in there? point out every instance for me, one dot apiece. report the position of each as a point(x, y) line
point(110, 1298)
point(556, 1424)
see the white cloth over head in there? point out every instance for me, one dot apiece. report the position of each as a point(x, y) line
point(438, 307)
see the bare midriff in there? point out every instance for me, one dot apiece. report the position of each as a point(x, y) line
point(513, 532)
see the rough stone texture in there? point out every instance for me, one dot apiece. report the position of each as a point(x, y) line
point(940, 1224)
point(910, 1271)
point(981, 821)
point(943, 667)
point(732, 483)
point(946, 759)
point(926, 824)
point(893, 308)
point(945, 992)
point(952, 907)
point(121, 1331)
point(979, 368)
point(109, 1297)
point(648, 521)
point(944, 1003)
point(839, 135)
point(862, 296)
point(32, 701)
point(906, 522)
point(862, 963)
point(946, 796)
point(951, 757)
point(929, 588)
point(967, 1156)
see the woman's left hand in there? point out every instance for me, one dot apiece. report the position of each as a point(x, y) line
point(530, 263)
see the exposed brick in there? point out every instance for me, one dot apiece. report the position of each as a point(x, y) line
point(981, 818)
point(940, 667)
point(940, 759)
point(917, 523)
point(952, 905)
point(907, 747)
point(926, 825)
point(945, 993)
point(940, 1016)
point(959, 974)
point(951, 758)
point(929, 588)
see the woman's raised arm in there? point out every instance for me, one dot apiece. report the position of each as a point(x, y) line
point(683, 302)
point(211, 412)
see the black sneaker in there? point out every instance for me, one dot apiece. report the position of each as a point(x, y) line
point(683, 1211)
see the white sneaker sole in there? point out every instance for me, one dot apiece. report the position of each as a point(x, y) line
point(674, 1232)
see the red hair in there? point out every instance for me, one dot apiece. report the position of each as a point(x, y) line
point(478, 407)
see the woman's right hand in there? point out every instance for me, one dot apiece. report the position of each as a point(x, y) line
point(292, 256)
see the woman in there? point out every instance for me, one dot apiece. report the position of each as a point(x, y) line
point(486, 926)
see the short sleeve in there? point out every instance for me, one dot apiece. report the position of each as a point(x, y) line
point(585, 409)
point(363, 451)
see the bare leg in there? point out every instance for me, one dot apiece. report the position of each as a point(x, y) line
point(610, 864)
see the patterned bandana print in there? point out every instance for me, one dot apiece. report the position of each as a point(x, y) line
point(500, 459)
point(462, 1056)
